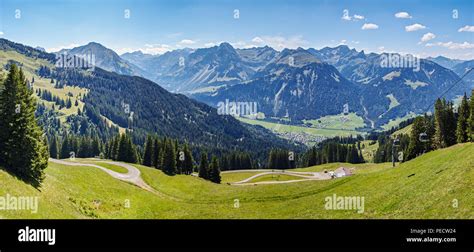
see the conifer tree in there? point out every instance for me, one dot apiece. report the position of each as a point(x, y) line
point(272, 160)
point(23, 151)
point(451, 124)
point(54, 148)
point(148, 155)
point(471, 118)
point(68, 103)
point(169, 158)
point(156, 153)
point(115, 147)
point(84, 148)
point(445, 125)
point(188, 160)
point(65, 148)
point(204, 166)
point(224, 163)
point(107, 150)
point(419, 138)
point(214, 171)
point(463, 117)
point(96, 147)
point(179, 158)
point(126, 150)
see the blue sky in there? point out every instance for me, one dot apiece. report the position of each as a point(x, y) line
point(424, 28)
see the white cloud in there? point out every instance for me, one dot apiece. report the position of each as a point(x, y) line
point(343, 42)
point(381, 48)
point(241, 44)
point(258, 40)
point(1, 33)
point(414, 27)
point(59, 48)
point(359, 17)
point(121, 51)
point(276, 42)
point(210, 44)
point(147, 49)
point(369, 26)
point(187, 42)
point(467, 28)
point(427, 37)
point(156, 48)
point(452, 45)
point(402, 14)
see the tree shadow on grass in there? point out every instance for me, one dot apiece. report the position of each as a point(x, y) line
point(35, 183)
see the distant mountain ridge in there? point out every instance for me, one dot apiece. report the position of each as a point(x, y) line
point(106, 59)
point(155, 110)
point(272, 78)
point(377, 92)
point(445, 62)
point(462, 68)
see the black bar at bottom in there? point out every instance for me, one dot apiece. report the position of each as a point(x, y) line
point(243, 234)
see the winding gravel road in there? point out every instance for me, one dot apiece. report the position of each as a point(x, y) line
point(304, 175)
point(132, 176)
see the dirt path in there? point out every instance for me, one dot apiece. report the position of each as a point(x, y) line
point(306, 176)
point(132, 176)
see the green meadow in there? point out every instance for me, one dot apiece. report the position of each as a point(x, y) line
point(437, 185)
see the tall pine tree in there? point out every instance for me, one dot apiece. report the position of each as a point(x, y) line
point(471, 118)
point(204, 166)
point(148, 156)
point(157, 154)
point(169, 158)
point(445, 125)
point(463, 117)
point(23, 151)
point(420, 137)
point(188, 160)
point(214, 171)
point(54, 148)
point(126, 150)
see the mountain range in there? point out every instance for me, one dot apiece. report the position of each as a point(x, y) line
point(300, 83)
point(445, 62)
point(105, 58)
point(155, 110)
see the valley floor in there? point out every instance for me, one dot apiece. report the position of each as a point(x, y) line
point(437, 185)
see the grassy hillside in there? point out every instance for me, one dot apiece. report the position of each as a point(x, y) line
point(29, 66)
point(395, 122)
point(421, 188)
point(369, 148)
point(405, 130)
